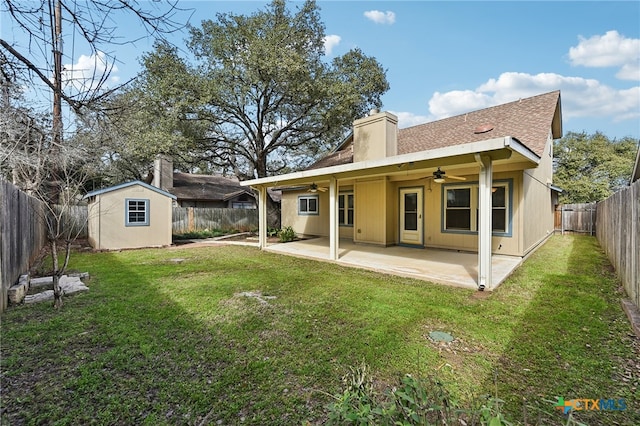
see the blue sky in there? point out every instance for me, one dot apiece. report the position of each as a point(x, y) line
point(445, 58)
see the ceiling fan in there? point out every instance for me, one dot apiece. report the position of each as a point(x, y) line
point(315, 188)
point(440, 175)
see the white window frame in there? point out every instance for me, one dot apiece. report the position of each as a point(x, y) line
point(304, 199)
point(139, 202)
point(246, 205)
point(473, 201)
point(469, 208)
point(344, 197)
point(504, 208)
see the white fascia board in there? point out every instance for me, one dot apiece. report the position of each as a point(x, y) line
point(126, 185)
point(432, 154)
point(517, 146)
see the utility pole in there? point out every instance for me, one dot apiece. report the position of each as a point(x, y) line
point(56, 142)
point(57, 77)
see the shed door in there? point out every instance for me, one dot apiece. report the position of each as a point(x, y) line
point(411, 220)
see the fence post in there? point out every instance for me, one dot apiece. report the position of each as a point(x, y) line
point(190, 220)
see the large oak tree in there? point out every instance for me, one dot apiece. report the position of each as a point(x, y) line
point(591, 167)
point(266, 98)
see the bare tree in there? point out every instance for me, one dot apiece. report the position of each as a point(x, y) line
point(32, 144)
point(33, 166)
point(44, 23)
point(22, 132)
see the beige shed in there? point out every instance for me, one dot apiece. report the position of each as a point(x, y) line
point(129, 215)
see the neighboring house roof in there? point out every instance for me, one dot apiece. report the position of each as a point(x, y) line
point(528, 120)
point(126, 185)
point(188, 186)
point(344, 156)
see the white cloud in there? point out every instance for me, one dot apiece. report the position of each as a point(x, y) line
point(409, 119)
point(379, 17)
point(330, 42)
point(89, 73)
point(609, 50)
point(581, 97)
point(443, 105)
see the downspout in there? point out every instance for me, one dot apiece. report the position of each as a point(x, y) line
point(485, 207)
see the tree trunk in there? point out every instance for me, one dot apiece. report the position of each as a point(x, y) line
point(273, 214)
point(57, 290)
point(273, 208)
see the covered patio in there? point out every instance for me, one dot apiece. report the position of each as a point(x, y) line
point(475, 271)
point(477, 185)
point(450, 267)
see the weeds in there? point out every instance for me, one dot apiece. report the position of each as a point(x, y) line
point(415, 401)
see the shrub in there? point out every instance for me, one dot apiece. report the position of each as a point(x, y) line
point(287, 234)
point(194, 235)
point(273, 232)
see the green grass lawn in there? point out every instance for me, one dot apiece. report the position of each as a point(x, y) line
point(160, 341)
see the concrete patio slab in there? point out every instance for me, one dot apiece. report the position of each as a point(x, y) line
point(448, 267)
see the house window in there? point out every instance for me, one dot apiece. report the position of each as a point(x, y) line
point(499, 217)
point(461, 211)
point(137, 212)
point(345, 209)
point(458, 211)
point(242, 205)
point(308, 205)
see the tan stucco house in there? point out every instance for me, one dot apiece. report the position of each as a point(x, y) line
point(479, 182)
point(129, 215)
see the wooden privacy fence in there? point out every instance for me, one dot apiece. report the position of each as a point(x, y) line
point(23, 233)
point(74, 220)
point(189, 219)
point(576, 218)
point(185, 219)
point(618, 233)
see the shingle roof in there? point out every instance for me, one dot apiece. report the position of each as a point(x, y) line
point(344, 156)
point(187, 186)
point(529, 120)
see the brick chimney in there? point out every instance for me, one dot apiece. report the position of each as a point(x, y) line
point(375, 136)
point(163, 173)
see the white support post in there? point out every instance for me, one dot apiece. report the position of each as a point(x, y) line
point(485, 209)
point(262, 217)
point(334, 230)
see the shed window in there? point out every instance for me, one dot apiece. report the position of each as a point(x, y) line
point(137, 212)
point(308, 205)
